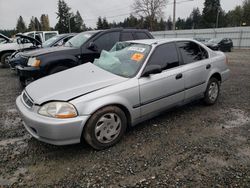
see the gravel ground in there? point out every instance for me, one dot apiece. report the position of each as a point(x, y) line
point(192, 146)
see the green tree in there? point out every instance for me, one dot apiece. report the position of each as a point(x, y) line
point(169, 23)
point(196, 18)
point(37, 25)
point(210, 11)
point(32, 26)
point(63, 16)
point(162, 25)
point(20, 26)
point(235, 17)
point(99, 24)
point(180, 24)
point(44, 20)
point(79, 23)
point(105, 23)
point(246, 12)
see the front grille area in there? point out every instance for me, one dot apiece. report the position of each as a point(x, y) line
point(27, 101)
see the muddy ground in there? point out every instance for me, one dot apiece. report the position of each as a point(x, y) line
point(192, 146)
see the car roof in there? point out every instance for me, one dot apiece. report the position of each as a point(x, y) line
point(159, 41)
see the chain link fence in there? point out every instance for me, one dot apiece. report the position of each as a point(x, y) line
point(239, 35)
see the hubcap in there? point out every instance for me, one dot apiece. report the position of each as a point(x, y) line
point(213, 91)
point(107, 128)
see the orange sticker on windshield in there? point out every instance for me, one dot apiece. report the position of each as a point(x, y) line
point(137, 57)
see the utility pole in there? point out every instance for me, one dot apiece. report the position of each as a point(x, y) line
point(217, 18)
point(69, 23)
point(174, 14)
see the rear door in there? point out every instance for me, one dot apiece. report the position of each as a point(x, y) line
point(196, 67)
point(160, 91)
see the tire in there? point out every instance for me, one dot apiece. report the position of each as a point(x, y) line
point(57, 69)
point(212, 92)
point(100, 133)
point(4, 59)
point(22, 82)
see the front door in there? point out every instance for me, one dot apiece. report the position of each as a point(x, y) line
point(163, 90)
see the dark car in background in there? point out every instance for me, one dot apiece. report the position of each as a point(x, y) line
point(221, 44)
point(58, 40)
point(84, 47)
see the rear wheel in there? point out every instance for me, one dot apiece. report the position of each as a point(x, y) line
point(212, 91)
point(57, 69)
point(4, 59)
point(105, 127)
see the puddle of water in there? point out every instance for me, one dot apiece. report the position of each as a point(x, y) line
point(239, 118)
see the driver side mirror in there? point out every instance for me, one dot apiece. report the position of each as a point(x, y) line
point(151, 69)
point(92, 46)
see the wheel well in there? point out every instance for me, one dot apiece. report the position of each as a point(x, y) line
point(123, 108)
point(126, 111)
point(60, 63)
point(3, 52)
point(217, 76)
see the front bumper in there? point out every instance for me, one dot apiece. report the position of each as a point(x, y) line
point(28, 72)
point(51, 130)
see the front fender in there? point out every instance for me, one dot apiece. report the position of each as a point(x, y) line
point(52, 61)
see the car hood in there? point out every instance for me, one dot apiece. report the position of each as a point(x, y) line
point(10, 46)
point(71, 83)
point(31, 39)
point(5, 38)
point(44, 51)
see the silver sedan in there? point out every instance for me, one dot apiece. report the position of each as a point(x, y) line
point(133, 82)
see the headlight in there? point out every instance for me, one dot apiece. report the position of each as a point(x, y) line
point(33, 62)
point(58, 110)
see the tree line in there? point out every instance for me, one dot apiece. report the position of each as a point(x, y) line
point(146, 14)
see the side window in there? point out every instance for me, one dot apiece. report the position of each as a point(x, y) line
point(204, 53)
point(31, 35)
point(141, 35)
point(190, 51)
point(166, 56)
point(67, 39)
point(107, 40)
point(49, 35)
point(126, 36)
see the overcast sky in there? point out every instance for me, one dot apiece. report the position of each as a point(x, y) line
point(114, 10)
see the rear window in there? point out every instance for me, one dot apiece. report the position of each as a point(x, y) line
point(191, 52)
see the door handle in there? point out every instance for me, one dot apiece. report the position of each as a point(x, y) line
point(178, 76)
point(208, 66)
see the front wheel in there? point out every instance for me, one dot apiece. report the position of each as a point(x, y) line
point(105, 127)
point(4, 59)
point(212, 91)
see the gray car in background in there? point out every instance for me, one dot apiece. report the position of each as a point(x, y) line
point(133, 82)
